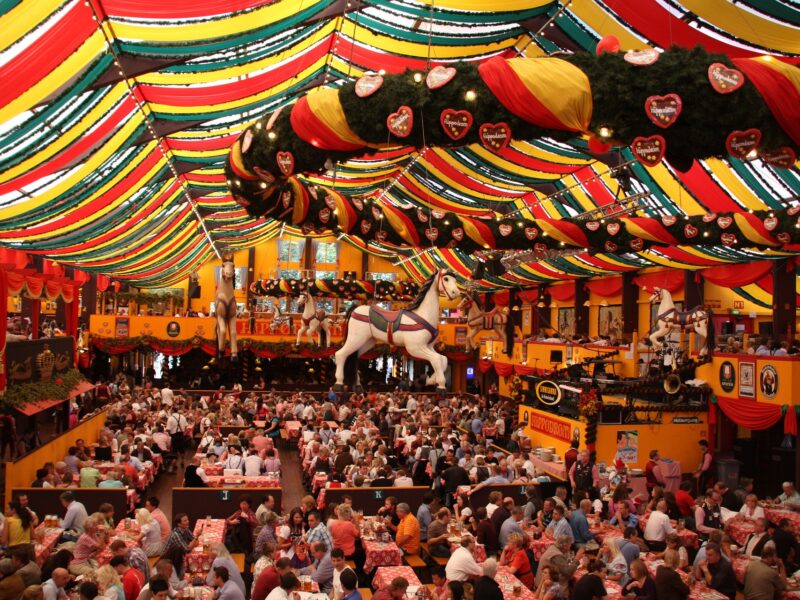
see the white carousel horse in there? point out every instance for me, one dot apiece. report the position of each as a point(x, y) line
point(279, 319)
point(313, 321)
point(479, 320)
point(225, 308)
point(669, 318)
point(414, 328)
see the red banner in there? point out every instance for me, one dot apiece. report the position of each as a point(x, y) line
point(551, 426)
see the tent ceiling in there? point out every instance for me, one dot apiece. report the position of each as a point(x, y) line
point(116, 117)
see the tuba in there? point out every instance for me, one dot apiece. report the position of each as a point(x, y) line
point(672, 384)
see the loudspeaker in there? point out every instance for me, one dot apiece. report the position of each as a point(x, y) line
point(556, 356)
point(611, 414)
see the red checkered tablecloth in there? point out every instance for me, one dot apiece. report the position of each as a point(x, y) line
point(49, 538)
point(776, 514)
point(381, 554)
point(212, 470)
point(318, 483)
point(248, 482)
point(507, 581)
point(540, 546)
point(739, 529)
point(480, 550)
point(689, 538)
point(210, 531)
point(196, 593)
point(105, 556)
point(293, 428)
point(384, 575)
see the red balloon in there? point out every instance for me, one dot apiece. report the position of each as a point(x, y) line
point(609, 43)
point(598, 146)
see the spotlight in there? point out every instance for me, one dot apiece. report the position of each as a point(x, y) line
point(470, 96)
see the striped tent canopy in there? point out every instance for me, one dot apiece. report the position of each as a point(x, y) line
point(116, 117)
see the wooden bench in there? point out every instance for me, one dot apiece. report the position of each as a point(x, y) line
point(351, 564)
point(366, 593)
point(439, 560)
point(238, 558)
point(414, 561)
point(153, 560)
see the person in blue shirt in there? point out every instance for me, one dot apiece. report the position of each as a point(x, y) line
point(349, 581)
point(624, 517)
point(580, 524)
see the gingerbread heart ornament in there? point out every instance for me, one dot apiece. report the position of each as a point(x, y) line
point(381, 235)
point(285, 162)
point(495, 136)
point(456, 123)
point(770, 223)
point(669, 220)
point(612, 228)
point(709, 217)
point(368, 85)
point(783, 237)
point(365, 226)
point(783, 157)
point(637, 244)
point(505, 229)
point(641, 58)
point(458, 234)
point(741, 143)
point(593, 225)
point(724, 222)
point(325, 215)
point(531, 233)
point(663, 110)
point(690, 231)
point(439, 76)
point(432, 233)
point(723, 79)
point(610, 246)
point(649, 150)
point(728, 239)
point(401, 122)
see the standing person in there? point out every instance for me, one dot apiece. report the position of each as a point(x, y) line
point(584, 474)
point(704, 471)
point(176, 428)
point(652, 473)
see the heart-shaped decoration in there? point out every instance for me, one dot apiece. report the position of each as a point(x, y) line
point(669, 220)
point(264, 175)
point(723, 79)
point(610, 246)
point(286, 199)
point(274, 117)
point(307, 228)
point(330, 202)
point(637, 244)
point(312, 191)
point(663, 110)
point(247, 140)
point(709, 217)
point(439, 76)
point(456, 123)
point(612, 228)
point(649, 150)
point(458, 233)
point(422, 216)
point(376, 213)
point(285, 162)
point(381, 235)
point(724, 222)
point(793, 210)
point(593, 225)
point(770, 223)
point(325, 215)
point(358, 203)
point(531, 233)
point(432, 233)
point(451, 244)
point(365, 226)
point(641, 58)
point(505, 229)
point(438, 214)
point(783, 237)
point(783, 157)
point(539, 248)
point(690, 231)
point(741, 143)
point(495, 136)
point(401, 122)
point(368, 85)
point(728, 239)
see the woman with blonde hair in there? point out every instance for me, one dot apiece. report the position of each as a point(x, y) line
point(615, 561)
point(149, 533)
point(109, 583)
point(750, 509)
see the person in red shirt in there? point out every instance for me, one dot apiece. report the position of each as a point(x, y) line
point(270, 578)
point(516, 560)
point(132, 579)
point(571, 455)
point(652, 476)
point(684, 500)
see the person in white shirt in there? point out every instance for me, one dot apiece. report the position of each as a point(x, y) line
point(789, 498)
point(286, 590)
point(339, 567)
point(495, 499)
point(750, 509)
point(658, 527)
point(462, 565)
point(402, 479)
point(755, 544)
point(234, 460)
point(253, 464)
point(167, 397)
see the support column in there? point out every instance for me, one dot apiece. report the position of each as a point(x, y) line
point(784, 299)
point(693, 292)
point(630, 305)
point(90, 297)
point(581, 311)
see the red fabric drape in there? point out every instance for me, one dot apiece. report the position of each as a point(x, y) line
point(311, 129)
point(666, 280)
point(528, 296)
point(501, 298)
point(790, 421)
point(778, 91)
point(36, 309)
point(610, 286)
point(503, 369)
point(102, 283)
point(753, 415)
point(712, 414)
point(3, 326)
point(730, 276)
point(524, 370)
point(562, 293)
point(484, 366)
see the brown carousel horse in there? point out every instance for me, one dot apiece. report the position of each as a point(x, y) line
point(225, 307)
point(478, 320)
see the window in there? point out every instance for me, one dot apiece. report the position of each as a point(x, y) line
point(292, 308)
point(325, 304)
point(344, 305)
point(326, 252)
point(288, 273)
point(325, 274)
point(290, 250)
point(383, 276)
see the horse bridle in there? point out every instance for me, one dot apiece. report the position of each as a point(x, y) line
point(440, 287)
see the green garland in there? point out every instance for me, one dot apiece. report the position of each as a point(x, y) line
point(18, 395)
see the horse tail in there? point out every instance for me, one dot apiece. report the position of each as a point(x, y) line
point(347, 321)
point(510, 332)
point(323, 335)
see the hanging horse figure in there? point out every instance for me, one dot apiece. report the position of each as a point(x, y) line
point(414, 328)
point(313, 321)
point(668, 318)
point(225, 308)
point(279, 319)
point(479, 320)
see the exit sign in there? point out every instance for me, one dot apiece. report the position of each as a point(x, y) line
point(738, 304)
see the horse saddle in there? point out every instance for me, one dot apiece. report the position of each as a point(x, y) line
point(390, 321)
